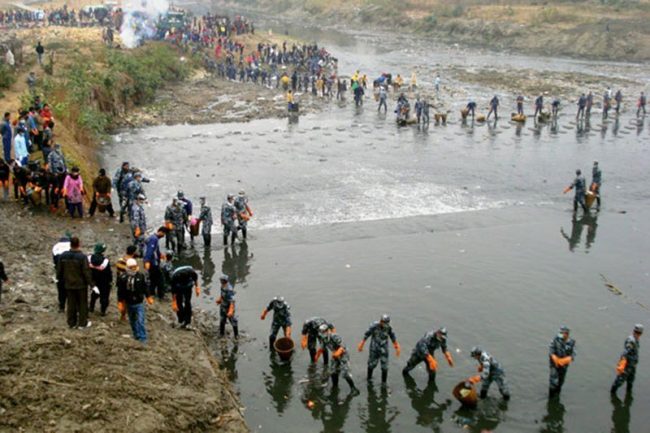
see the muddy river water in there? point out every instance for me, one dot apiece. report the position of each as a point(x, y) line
point(459, 225)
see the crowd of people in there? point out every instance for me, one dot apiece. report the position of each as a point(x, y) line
point(62, 16)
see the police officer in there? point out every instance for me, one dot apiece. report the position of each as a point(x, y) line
point(244, 212)
point(561, 354)
point(582, 103)
point(228, 217)
point(626, 368)
point(226, 304)
point(205, 216)
point(138, 223)
point(596, 181)
point(175, 222)
point(579, 186)
point(119, 184)
point(134, 189)
point(491, 371)
point(312, 335)
point(340, 361)
point(539, 105)
point(424, 351)
point(183, 280)
point(281, 318)
point(379, 332)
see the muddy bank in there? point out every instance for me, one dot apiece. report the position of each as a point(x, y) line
point(61, 380)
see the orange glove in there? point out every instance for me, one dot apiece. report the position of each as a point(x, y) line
point(360, 346)
point(555, 360)
point(197, 290)
point(150, 300)
point(398, 349)
point(220, 300)
point(474, 379)
point(480, 368)
point(338, 353)
point(174, 304)
point(567, 189)
point(147, 265)
point(121, 307)
point(620, 368)
point(137, 232)
point(263, 316)
point(431, 362)
point(563, 362)
point(231, 310)
point(450, 360)
point(333, 330)
point(303, 342)
point(319, 352)
point(287, 332)
point(169, 225)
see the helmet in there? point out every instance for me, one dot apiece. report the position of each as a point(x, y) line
point(578, 172)
point(323, 328)
point(141, 197)
point(385, 318)
point(137, 173)
point(564, 328)
point(230, 196)
point(279, 299)
point(180, 194)
point(224, 278)
point(476, 351)
point(242, 193)
point(442, 332)
point(638, 328)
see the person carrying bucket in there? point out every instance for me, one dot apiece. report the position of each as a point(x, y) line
point(281, 318)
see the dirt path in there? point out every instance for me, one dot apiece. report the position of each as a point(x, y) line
point(54, 379)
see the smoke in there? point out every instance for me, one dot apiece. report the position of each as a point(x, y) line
point(140, 18)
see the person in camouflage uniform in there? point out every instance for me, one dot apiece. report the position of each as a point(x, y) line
point(228, 217)
point(424, 352)
point(186, 204)
point(281, 318)
point(379, 332)
point(120, 181)
point(561, 353)
point(490, 371)
point(626, 368)
point(311, 336)
point(134, 189)
point(138, 223)
point(580, 188)
point(226, 304)
point(340, 360)
point(244, 212)
point(175, 221)
point(205, 216)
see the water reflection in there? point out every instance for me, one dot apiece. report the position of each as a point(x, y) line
point(228, 358)
point(577, 225)
point(621, 414)
point(487, 417)
point(554, 418)
point(335, 412)
point(236, 262)
point(379, 416)
point(430, 413)
point(639, 125)
point(279, 382)
point(312, 396)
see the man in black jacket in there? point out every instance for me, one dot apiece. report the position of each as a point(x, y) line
point(132, 289)
point(102, 275)
point(72, 268)
point(183, 280)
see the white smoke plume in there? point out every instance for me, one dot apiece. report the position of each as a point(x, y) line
point(140, 18)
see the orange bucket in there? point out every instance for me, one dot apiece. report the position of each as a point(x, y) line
point(284, 346)
point(466, 396)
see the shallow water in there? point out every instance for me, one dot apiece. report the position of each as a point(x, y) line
point(459, 225)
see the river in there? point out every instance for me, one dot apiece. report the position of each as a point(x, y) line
point(460, 225)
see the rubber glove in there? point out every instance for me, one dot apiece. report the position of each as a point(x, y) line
point(620, 368)
point(360, 346)
point(303, 342)
point(398, 349)
point(450, 360)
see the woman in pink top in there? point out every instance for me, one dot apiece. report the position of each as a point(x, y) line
point(73, 191)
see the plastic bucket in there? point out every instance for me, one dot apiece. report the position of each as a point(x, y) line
point(466, 396)
point(284, 346)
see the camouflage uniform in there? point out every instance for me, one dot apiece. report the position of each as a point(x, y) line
point(311, 329)
point(120, 180)
point(379, 334)
point(133, 190)
point(176, 237)
point(425, 346)
point(597, 179)
point(580, 191)
point(241, 206)
point(561, 349)
point(138, 219)
point(228, 213)
point(341, 364)
point(205, 216)
point(491, 371)
point(281, 318)
point(631, 354)
point(227, 298)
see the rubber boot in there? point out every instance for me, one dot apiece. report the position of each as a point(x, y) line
point(613, 389)
point(232, 238)
point(271, 342)
point(222, 330)
point(483, 393)
point(506, 397)
point(369, 375)
point(243, 232)
point(432, 376)
point(225, 240)
point(235, 331)
point(335, 380)
point(384, 376)
point(351, 383)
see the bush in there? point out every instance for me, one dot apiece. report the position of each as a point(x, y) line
point(7, 76)
point(430, 22)
point(457, 11)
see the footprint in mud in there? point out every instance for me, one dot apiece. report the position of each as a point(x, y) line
point(366, 131)
point(236, 133)
point(271, 141)
point(255, 146)
point(340, 141)
point(228, 144)
point(380, 139)
point(353, 136)
point(261, 134)
point(341, 128)
point(327, 134)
